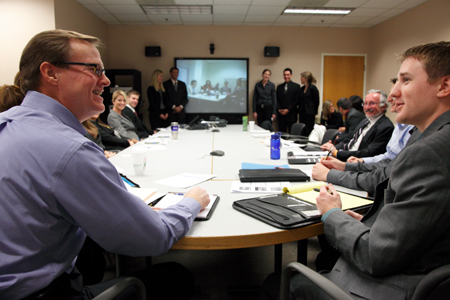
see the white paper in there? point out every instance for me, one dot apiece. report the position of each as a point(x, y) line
point(174, 198)
point(143, 193)
point(185, 180)
point(309, 153)
point(258, 187)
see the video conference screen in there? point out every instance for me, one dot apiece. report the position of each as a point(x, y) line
point(215, 86)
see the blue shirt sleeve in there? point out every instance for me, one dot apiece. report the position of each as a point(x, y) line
point(324, 217)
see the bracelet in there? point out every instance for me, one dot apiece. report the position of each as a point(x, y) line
point(335, 153)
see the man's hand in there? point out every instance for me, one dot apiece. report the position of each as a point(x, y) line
point(274, 117)
point(327, 146)
point(200, 195)
point(255, 116)
point(354, 215)
point(333, 163)
point(341, 129)
point(177, 109)
point(353, 159)
point(328, 198)
point(320, 172)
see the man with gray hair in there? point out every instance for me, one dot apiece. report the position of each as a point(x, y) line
point(371, 135)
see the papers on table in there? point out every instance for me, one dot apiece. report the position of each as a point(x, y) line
point(174, 198)
point(306, 154)
point(185, 180)
point(306, 192)
point(147, 195)
point(258, 187)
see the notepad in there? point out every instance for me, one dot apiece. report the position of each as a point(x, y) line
point(174, 198)
point(306, 192)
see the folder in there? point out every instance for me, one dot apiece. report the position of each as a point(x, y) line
point(266, 175)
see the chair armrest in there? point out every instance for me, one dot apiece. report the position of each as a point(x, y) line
point(122, 285)
point(321, 282)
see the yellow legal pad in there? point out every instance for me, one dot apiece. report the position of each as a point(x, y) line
point(306, 192)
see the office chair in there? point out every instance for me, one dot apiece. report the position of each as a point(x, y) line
point(267, 125)
point(330, 135)
point(323, 283)
point(297, 129)
point(121, 286)
point(434, 286)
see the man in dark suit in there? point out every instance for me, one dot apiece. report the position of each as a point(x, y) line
point(371, 135)
point(352, 119)
point(131, 113)
point(177, 96)
point(288, 97)
point(387, 252)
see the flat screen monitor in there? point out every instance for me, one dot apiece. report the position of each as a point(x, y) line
point(216, 87)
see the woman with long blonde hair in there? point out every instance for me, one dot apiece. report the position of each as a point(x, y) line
point(158, 109)
point(119, 121)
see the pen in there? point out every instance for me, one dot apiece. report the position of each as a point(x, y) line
point(178, 194)
point(329, 152)
point(318, 190)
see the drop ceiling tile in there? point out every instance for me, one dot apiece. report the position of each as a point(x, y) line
point(124, 9)
point(196, 18)
point(96, 9)
point(292, 19)
point(257, 24)
point(229, 18)
point(162, 18)
point(411, 3)
point(229, 10)
point(382, 3)
point(392, 13)
point(87, 2)
point(107, 17)
point(266, 10)
point(131, 17)
point(352, 20)
point(260, 19)
point(271, 2)
point(133, 2)
point(232, 2)
point(366, 12)
point(193, 2)
point(325, 19)
point(345, 3)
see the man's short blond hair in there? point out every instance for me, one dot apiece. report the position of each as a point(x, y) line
point(51, 46)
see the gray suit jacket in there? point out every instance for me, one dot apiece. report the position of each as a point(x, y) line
point(406, 234)
point(122, 125)
point(362, 176)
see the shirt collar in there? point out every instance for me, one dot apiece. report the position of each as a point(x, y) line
point(131, 107)
point(46, 104)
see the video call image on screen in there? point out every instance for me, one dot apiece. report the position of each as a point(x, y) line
point(215, 85)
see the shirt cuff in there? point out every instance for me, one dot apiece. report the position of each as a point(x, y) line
point(328, 213)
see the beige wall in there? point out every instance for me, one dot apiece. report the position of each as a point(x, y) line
point(20, 20)
point(300, 48)
point(71, 15)
point(425, 23)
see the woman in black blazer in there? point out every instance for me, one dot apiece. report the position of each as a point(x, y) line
point(309, 101)
point(330, 118)
point(158, 109)
point(111, 139)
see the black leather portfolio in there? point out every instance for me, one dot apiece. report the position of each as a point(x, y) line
point(303, 159)
point(282, 211)
point(266, 175)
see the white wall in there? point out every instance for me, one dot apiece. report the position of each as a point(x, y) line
point(20, 20)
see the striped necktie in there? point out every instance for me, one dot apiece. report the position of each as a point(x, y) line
point(356, 136)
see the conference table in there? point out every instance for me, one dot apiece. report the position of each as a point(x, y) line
point(190, 153)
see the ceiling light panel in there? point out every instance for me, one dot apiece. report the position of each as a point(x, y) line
point(178, 9)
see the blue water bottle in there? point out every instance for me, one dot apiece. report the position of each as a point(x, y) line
point(275, 145)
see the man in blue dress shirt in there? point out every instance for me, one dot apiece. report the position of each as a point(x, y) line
point(57, 186)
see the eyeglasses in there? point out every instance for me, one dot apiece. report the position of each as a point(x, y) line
point(97, 68)
point(370, 104)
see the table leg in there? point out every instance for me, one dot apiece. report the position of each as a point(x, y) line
point(302, 251)
point(278, 258)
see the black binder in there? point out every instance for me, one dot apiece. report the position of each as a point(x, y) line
point(266, 175)
point(282, 211)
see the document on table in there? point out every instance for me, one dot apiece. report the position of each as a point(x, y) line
point(258, 187)
point(173, 198)
point(306, 154)
point(147, 195)
point(185, 180)
point(306, 192)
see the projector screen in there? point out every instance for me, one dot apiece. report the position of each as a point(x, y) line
point(216, 86)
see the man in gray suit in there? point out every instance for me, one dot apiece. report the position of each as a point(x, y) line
point(405, 235)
